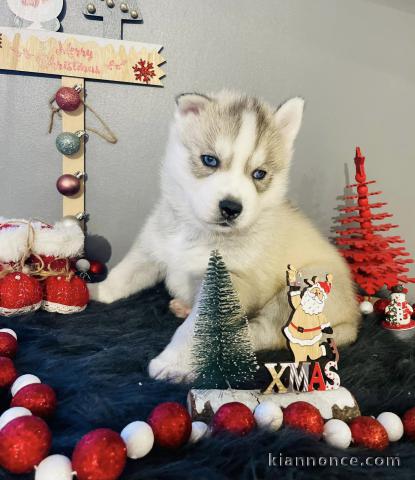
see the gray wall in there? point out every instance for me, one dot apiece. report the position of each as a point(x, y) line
point(351, 59)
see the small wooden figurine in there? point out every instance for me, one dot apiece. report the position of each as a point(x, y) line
point(398, 312)
point(307, 323)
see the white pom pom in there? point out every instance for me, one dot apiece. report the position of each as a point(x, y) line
point(268, 415)
point(55, 467)
point(23, 381)
point(9, 331)
point(366, 307)
point(139, 439)
point(82, 265)
point(12, 413)
point(392, 424)
point(199, 430)
point(337, 433)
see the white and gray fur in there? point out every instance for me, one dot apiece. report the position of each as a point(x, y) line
point(187, 224)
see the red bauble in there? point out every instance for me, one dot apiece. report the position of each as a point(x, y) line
point(8, 345)
point(19, 293)
point(8, 373)
point(368, 432)
point(235, 418)
point(39, 398)
point(380, 305)
point(408, 421)
point(24, 443)
point(68, 185)
point(68, 99)
point(99, 455)
point(96, 267)
point(304, 416)
point(171, 424)
point(65, 295)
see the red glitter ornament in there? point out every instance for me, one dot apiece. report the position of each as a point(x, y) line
point(8, 345)
point(24, 443)
point(99, 455)
point(96, 267)
point(304, 416)
point(39, 398)
point(19, 293)
point(171, 424)
point(8, 373)
point(408, 421)
point(368, 432)
point(380, 305)
point(235, 418)
point(68, 99)
point(65, 294)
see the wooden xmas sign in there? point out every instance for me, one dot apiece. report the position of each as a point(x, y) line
point(80, 56)
point(315, 365)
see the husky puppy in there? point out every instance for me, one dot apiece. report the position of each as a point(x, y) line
point(224, 183)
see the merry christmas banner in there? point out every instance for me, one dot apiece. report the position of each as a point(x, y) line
point(70, 55)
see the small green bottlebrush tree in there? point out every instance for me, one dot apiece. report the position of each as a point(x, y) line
point(223, 353)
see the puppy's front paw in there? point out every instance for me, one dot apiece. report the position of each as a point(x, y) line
point(100, 292)
point(165, 367)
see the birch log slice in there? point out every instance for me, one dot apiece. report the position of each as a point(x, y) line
point(340, 403)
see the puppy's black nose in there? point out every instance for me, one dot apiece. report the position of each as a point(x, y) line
point(230, 209)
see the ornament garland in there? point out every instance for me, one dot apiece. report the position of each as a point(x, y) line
point(25, 438)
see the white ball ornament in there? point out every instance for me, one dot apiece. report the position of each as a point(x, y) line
point(82, 265)
point(54, 467)
point(366, 307)
point(199, 430)
point(139, 439)
point(9, 331)
point(12, 413)
point(392, 424)
point(337, 433)
point(23, 381)
point(268, 415)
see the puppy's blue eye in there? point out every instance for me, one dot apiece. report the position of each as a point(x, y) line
point(259, 174)
point(210, 161)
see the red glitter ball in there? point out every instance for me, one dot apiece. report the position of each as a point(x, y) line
point(235, 418)
point(99, 455)
point(171, 424)
point(368, 432)
point(8, 345)
point(408, 421)
point(24, 443)
point(380, 305)
point(304, 416)
point(96, 267)
point(68, 99)
point(39, 398)
point(8, 373)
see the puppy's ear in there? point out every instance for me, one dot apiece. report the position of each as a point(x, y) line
point(288, 119)
point(192, 103)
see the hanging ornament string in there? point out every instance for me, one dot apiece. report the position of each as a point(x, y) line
point(108, 135)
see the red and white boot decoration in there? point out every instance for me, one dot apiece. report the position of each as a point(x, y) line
point(65, 294)
point(19, 293)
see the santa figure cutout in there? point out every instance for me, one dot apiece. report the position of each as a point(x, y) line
point(36, 14)
point(308, 323)
point(398, 312)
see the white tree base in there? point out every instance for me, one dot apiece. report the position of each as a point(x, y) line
point(340, 403)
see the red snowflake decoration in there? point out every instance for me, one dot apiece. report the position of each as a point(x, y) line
point(144, 71)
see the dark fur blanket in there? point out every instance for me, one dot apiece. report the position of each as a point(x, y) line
point(97, 362)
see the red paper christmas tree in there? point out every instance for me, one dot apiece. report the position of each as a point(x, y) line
point(375, 259)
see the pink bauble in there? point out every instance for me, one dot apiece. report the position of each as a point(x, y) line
point(68, 185)
point(304, 416)
point(171, 424)
point(68, 99)
point(234, 418)
point(24, 443)
point(39, 398)
point(99, 455)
